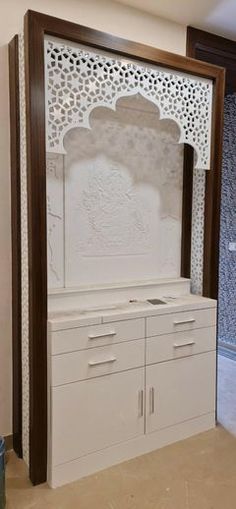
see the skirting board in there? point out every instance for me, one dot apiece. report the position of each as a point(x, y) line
point(87, 465)
point(8, 442)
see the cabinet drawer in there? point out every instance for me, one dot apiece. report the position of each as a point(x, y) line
point(180, 344)
point(81, 338)
point(75, 366)
point(175, 322)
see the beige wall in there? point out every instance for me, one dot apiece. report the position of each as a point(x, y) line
point(103, 15)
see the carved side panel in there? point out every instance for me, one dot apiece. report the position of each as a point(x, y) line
point(197, 250)
point(55, 220)
point(24, 258)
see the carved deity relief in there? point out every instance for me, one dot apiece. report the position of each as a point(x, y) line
point(123, 195)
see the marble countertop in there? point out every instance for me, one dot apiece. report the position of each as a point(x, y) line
point(126, 310)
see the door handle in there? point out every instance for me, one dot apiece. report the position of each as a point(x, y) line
point(182, 322)
point(140, 403)
point(152, 400)
point(180, 345)
point(102, 335)
point(104, 361)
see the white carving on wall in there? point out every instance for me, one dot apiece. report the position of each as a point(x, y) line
point(123, 195)
point(78, 80)
point(117, 222)
point(55, 220)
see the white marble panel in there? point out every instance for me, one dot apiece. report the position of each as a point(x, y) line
point(123, 197)
point(55, 220)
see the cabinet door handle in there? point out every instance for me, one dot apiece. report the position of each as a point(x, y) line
point(102, 335)
point(104, 361)
point(140, 403)
point(152, 400)
point(180, 345)
point(182, 322)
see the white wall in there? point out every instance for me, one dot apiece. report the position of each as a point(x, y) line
point(102, 15)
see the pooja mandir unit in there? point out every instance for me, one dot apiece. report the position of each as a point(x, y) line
point(117, 177)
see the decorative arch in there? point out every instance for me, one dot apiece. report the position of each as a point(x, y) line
point(77, 81)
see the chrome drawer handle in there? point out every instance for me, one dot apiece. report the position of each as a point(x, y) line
point(180, 345)
point(152, 400)
point(140, 403)
point(105, 361)
point(103, 335)
point(182, 322)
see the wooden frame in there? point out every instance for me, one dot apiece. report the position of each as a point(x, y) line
point(16, 244)
point(36, 27)
point(197, 39)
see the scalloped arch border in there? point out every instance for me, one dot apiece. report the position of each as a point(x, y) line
point(61, 149)
point(78, 81)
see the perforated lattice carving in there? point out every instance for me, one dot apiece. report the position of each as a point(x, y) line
point(78, 80)
point(24, 258)
point(197, 249)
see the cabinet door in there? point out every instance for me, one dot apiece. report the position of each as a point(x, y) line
point(93, 414)
point(179, 390)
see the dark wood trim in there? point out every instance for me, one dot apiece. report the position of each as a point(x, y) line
point(213, 197)
point(214, 49)
point(77, 33)
point(186, 238)
point(36, 27)
point(195, 39)
point(37, 235)
point(16, 243)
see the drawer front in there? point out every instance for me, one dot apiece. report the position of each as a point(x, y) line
point(75, 366)
point(176, 322)
point(81, 338)
point(180, 344)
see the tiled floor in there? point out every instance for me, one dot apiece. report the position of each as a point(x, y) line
point(198, 473)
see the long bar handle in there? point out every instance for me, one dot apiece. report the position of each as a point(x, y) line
point(182, 322)
point(152, 400)
point(140, 403)
point(102, 335)
point(180, 345)
point(105, 361)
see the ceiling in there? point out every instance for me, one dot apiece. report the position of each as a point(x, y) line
point(218, 16)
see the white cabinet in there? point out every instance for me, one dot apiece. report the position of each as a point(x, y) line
point(123, 388)
point(94, 414)
point(179, 390)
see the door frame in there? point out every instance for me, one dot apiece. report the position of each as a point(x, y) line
point(38, 25)
point(215, 48)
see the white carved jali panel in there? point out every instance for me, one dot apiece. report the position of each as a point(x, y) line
point(120, 219)
point(24, 258)
point(79, 80)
